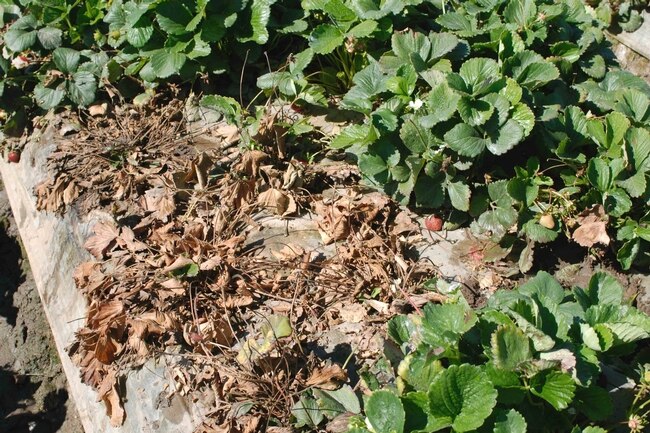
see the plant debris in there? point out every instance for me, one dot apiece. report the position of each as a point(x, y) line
point(174, 275)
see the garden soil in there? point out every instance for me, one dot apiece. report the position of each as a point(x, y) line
point(33, 390)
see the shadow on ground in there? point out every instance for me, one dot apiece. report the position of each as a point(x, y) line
point(33, 393)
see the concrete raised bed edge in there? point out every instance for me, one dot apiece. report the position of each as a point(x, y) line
point(54, 246)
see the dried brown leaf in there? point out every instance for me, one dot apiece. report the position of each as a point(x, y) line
point(353, 313)
point(379, 306)
point(404, 224)
point(293, 177)
point(250, 423)
point(276, 201)
point(592, 227)
point(127, 239)
point(251, 161)
point(335, 224)
point(340, 424)
point(228, 132)
point(105, 235)
point(199, 169)
point(71, 192)
point(211, 263)
point(288, 252)
point(329, 378)
point(159, 200)
point(179, 263)
point(114, 408)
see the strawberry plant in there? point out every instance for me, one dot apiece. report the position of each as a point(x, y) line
point(510, 113)
point(539, 358)
point(489, 91)
point(621, 15)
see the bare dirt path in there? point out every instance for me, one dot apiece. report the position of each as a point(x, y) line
point(33, 389)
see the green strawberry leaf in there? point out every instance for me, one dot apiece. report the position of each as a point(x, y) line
point(81, 89)
point(531, 70)
point(47, 97)
point(50, 37)
point(505, 138)
point(21, 35)
point(510, 347)
point(510, 422)
point(479, 74)
point(462, 397)
point(416, 138)
point(442, 103)
point(466, 140)
point(443, 325)
point(325, 38)
point(407, 43)
point(459, 195)
point(554, 387)
point(66, 59)
point(520, 12)
point(385, 412)
point(474, 112)
point(595, 402)
point(336, 402)
point(307, 412)
point(441, 44)
point(638, 148)
point(166, 63)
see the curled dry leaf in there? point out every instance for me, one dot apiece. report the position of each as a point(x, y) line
point(227, 132)
point(54, 195)
point(293, 177)
point(128, 240)
point(340, 424)
point(335, 224)
point(330, 377)
point(277, 201)
point(108, 394)
point(209, 333)
point(114, 408)
point(198, 172)
point(592, 227)
point(379, 306)
point(107, 323)
point(179, 263)
point(251, 161)
point(149, 323)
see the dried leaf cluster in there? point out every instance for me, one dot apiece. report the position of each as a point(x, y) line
point(175, 277)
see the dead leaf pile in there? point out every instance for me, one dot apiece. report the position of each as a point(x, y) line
point(174, 276)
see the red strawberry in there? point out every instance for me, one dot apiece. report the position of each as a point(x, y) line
point(433, 223)
point(14, 156)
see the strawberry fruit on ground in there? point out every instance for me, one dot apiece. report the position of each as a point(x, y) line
point(14, 156)
point(433, 223)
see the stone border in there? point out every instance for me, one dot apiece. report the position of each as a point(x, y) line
point(639, 40)
point(54, 246)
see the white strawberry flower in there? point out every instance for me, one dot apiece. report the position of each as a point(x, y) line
point(416, 105)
